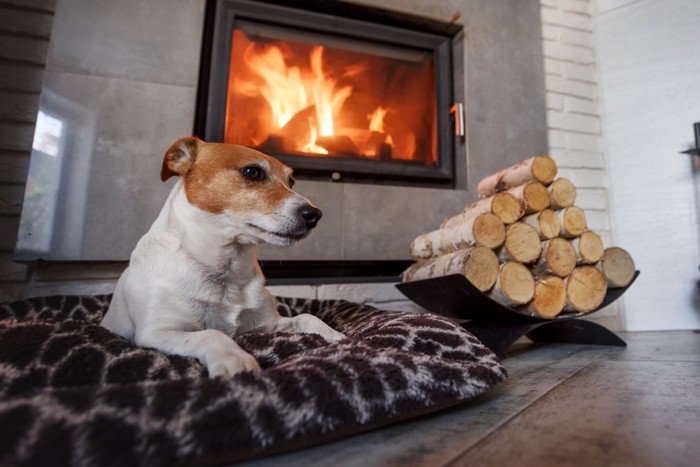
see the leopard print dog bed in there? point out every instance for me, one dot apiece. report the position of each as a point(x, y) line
point(73, 393)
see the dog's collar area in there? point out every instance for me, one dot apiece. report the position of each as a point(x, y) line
point(288, 236)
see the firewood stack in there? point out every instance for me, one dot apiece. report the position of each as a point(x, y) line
point(525, 244)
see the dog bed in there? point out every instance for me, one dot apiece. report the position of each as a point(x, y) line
point(72, 392)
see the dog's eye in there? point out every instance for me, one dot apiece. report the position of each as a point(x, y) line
point(253, 172)
point(291, 182)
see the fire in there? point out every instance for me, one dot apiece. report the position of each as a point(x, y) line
point(290, 97)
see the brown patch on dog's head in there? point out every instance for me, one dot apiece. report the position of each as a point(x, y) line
point(227, 177)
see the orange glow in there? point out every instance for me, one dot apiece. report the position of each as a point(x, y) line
point(296, 98)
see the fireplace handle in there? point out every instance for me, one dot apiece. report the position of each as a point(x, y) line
point(458, 109)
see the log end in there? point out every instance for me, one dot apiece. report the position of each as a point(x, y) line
point(536, 196)
point(550, 297)
point(560, 257)
point(481, 269)
point(573, 222)
point(550, 225)
point(563, 193)
point(506, 207)
point(489, 231)
point(590, 247)
point(585, 289)
point(618, 266)
point(522, 243)
point(544, 169)
point(516, 283)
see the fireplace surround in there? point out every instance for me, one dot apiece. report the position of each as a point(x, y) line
point(338, 93)
point(123, 78)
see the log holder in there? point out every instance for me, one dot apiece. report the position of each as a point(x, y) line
point(498, 326)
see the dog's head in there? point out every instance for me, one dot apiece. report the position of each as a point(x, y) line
point(253, 190)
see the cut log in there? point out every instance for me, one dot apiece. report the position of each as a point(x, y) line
point(545, 222)
point(618, 267)
point(541, 169)
point(585, 289)
point(479, 265)
point(589, 248)
point(533, 196)
point(562, 193)
point(485, 230)
point(573, 221)
point(522, 244)
point(558, 258)
point(515, 285)
point(502, 205)
point(550, 297)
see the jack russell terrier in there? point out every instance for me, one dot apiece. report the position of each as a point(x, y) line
point(193, 282)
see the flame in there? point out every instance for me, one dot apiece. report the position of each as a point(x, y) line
point(288, 91)
point(376, 119)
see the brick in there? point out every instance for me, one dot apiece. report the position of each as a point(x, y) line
point(16, 136)
point(553, 66)
point(581, 106)
point(592, 198)
point(573, 122)
point(563, 18)
point(597, 220)
point(11, 197)
point(25, 22)
point(48, 6)
point(556, 138)
point(11, 271)
point(559, 51)
point(361, 293)
point(575, 37)
point(585, 178)
point(582, 142)
point(13, 168)
point(9, 225)
point(576, 6)
point(550, 32)
point(26, 49)
point(23, 78)
point(554, 101)
point(19, 107)
point(577, 159)
point(549, 3)
point(578, 72)
point(43, 289)
point(570, 87)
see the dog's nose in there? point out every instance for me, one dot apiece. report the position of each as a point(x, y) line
point(310, 214)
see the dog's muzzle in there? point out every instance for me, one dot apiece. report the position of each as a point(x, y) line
point(310, 214)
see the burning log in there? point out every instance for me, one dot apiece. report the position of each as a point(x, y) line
point(522, 244)
point(340, 145)
point(545, 222)
point(503, 205)
point(550, 297)
point(541, 169)
point(585, 289)
point(515, 285)
point(479, 265)
point(558, 258)
point(573, 221)
point(562, 193)
point(589, 248)
point(618, 267)
point(533, 196)
point(485, 230)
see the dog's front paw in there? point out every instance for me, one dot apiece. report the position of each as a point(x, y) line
point(331, 335)
point(229, 364)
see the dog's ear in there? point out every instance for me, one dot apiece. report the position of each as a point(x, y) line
point(179, 157)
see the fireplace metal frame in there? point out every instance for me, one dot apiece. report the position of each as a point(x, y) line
point(337, 19)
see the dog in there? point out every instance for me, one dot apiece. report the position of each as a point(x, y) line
point(193, 282)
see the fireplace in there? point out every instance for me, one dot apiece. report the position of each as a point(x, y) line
point(334, 96)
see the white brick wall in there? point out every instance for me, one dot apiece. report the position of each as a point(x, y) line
point(574, 113)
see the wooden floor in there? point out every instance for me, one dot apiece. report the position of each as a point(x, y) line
point(562, 405)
